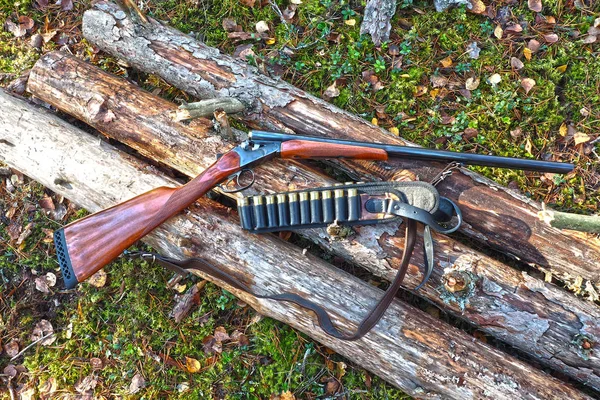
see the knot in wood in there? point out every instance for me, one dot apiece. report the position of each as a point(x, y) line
point(456, 281)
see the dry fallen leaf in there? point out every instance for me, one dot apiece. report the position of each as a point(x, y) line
point(16, 29)
point(41, 329)
point(261, 27)
point(86, 384)
point(516, 133)
point(240, 338)
point(494, 79)
point(287, 396)
point(535, 5)
point(98, 279)
point(477, 7)
point(41, 284)
point(498, 32)
point(137, 383)
point(230, 25)
point(581, 137)
point(96, 363)
point(192, 365)
point(472, 83)
point(331, 92)
point(12, 348)
point(446, 62)
point(350, 22)
point(394, 131)
point(516, 63)
point(66, 5)
point(551, 38)
point(249, 3)
point(528, 146)
point(527, 53)
point(562, 69)
point(26, 22)
point(438, 81)
point(533, 45)
point(527, 84)
point(563, 130)
point(420, 90)
point(513, 29)
point(221, 334)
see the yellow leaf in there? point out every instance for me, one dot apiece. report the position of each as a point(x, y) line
point(287, 396)
point(395, 131)
point(350, 22)
point(405, 76)
point(192, 365)
point(420, 90)
point(434, 93)
point(446, 62)
point(563, 130)
point(270, 41)
point(562, 69)
point(528, 146)
point(498, 32)
point(374, 121)
point(527, 53)
point(581, 137)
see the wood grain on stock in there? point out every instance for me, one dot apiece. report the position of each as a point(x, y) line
point(306, 149)
point(537, 318)
point(96, 240)
point(276, 105)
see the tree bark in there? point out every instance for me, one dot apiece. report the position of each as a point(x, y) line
point(409, 348)
point(495, 216)
point(538, 318)
point(376, 21)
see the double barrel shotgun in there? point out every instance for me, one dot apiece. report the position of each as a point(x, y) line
point(87, 245)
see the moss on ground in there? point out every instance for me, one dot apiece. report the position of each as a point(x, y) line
point(419, 74)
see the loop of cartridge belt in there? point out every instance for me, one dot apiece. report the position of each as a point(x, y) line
point(324, 320)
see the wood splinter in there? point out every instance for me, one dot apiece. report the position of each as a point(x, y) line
point(206, 108)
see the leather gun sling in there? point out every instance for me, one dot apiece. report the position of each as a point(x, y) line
point(372, 317)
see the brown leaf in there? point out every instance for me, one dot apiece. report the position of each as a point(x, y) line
point(47, 388)
point(513, 29)
point(331, 387)
point(470, 133)
point(186, 302)
point(16, 29)
point(331, 92)
point(26, 22)
point(551, 38)
point(287, 396)
point(211, 345)
point(248, 3)
point(10, 370)
point(230, 25)
point(516, 63)
point(41, 284)
point(192, 365)
point(137, 383)
point(527, 84)
point(221, 334)
point(472, 83)
point(41, 329)
point(533, 45)
point(438, 81)
point(240, 338)
point(516, 133)
point(535, 5)
point(420, 90)
point(41, 4)
point(14, 230)
point(96, 363)
point(477, 7)
point(446, 62)
point(590, 39)
point(498, 32)
point(25, 234)
point(12, 348)
point(86, 384)
point(66, 5)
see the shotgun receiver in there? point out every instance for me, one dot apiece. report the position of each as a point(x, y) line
point(85, 246)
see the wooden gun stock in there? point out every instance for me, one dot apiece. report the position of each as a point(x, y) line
point(85, 246)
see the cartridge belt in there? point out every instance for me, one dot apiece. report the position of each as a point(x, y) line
point(349, 204)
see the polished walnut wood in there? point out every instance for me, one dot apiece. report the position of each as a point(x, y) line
point(96, 240)
point(306, 149)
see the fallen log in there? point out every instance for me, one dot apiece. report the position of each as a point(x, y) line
point(410, 349)
point(537, 318)
point(495, 216)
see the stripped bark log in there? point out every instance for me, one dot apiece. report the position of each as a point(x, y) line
point(539, 319)
point(376, 21)
point(409, 348)
point(494, 215)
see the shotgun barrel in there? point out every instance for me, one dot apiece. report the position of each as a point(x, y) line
point(420, 153)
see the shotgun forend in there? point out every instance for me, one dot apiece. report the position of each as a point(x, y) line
point(87, 245)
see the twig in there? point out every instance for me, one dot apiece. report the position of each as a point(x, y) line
point(562, 220)
point(31, 345)
point(206, 108)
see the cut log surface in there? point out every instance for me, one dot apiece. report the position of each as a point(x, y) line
point(537, 318)
point(494, 215)
point(410, 349)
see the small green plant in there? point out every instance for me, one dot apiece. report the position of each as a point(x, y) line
point(379, 65)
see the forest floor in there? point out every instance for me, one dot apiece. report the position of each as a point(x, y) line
point(507, 80)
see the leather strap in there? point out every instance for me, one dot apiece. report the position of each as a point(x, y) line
point(324, 321)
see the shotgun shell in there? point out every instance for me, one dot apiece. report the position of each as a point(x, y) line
point(304, 208)
point(328, 207)
point(316, 213)
point(282, 210)
point(294, 209)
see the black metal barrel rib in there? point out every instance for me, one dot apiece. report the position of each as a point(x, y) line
point(421, 153)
